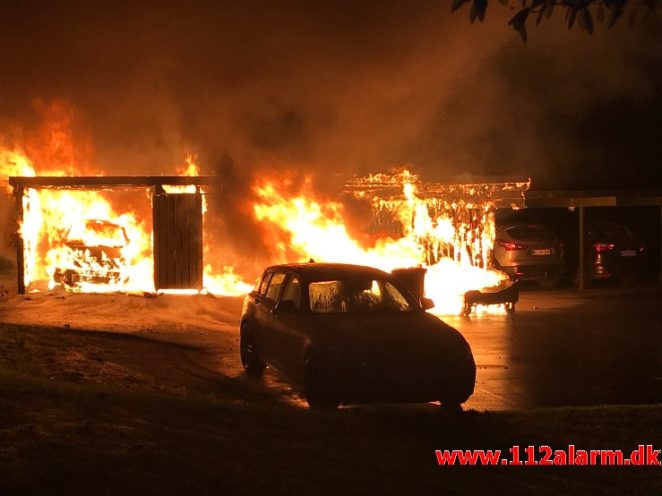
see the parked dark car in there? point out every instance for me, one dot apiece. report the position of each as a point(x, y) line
point(94, 254)
point(353, 334)
point(613, 252)
point(529, 252)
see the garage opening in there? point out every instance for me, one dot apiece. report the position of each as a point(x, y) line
point(109, 233)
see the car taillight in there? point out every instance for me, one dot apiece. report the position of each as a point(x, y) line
point(600, 247)
point(510, 246)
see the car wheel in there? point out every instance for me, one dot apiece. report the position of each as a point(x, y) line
point(318, 388)
point(452, 400)
point(70, 278)
point(249, 359)
point(510, 307)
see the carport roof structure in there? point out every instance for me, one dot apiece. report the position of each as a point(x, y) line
point(105, 182)
point(582, 199)
point(509, 193)
point(571, 199)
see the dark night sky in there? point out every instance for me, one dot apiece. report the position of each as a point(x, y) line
point(340, 86)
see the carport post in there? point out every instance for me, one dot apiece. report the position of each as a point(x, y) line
point(20, 256)
point(581, 248)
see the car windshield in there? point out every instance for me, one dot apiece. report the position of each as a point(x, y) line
point(97, 233)
point(357, 294)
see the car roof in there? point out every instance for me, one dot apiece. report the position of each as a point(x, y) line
point(608, 223)
point(510, 225)
point(321, 271)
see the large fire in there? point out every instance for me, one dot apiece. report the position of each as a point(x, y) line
point(78, 239)
point(85, 241)
point(453, 241)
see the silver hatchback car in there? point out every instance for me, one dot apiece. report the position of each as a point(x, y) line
point(529, 252)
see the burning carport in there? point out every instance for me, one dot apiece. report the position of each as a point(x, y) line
point(470, 208)
point(453, 226)
point(177, 229)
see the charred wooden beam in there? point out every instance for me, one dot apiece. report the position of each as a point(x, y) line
point(108, 182)
point(498, 191)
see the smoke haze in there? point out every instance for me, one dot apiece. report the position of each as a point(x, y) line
point(335, 88)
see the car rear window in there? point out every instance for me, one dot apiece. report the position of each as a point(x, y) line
point(98, 233)
point(614, 233)
point(530, 233)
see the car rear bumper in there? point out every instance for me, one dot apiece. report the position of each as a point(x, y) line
point(533, 271)
point(602, 272)
point(72, 277)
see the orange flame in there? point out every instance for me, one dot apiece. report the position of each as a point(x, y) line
point(306, 228)
point(53, 219)
point(81, 240)
point(78, 239)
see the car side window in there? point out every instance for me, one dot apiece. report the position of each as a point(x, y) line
point(263, 285)
point(274, 285)
point(292, 291)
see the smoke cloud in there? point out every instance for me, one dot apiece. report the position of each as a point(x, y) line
point(335, 89)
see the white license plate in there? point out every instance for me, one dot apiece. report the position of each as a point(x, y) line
point(628, 253)
point(546, 251)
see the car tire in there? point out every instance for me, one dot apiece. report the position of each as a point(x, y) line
point(318, 388)
point(452, 400)
point(510, 307)
point(249, 359)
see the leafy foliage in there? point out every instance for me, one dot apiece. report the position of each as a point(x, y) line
point(583, 13)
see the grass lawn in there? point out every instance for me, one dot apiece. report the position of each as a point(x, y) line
point(59, 436)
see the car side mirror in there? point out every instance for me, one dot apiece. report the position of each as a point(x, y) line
point(286, 306)
point(427, 303)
